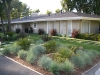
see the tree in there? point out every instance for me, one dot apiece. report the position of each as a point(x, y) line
point(7, 6)
point(48, 12)
point(19, 9)
point(2, 15)
point(37, 11)
point(83, 6)
point(57, 10)
point(64, 5)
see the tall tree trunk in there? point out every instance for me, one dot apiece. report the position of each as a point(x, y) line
point(9, 20)
point(7, 14)
point(2, 25)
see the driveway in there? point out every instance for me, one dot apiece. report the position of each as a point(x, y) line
point(9, 67)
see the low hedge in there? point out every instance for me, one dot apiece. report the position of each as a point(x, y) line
point(86, 36)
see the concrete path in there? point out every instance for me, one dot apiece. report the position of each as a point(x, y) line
point(9, 67)
point(94, 70)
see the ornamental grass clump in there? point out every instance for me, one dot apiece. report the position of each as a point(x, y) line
point(38, 50)
point(6, 51)
point(14, 48)
point(55, 68)
point(68, 67)
point(44, 62)
point(30, 57)
point(22, 54)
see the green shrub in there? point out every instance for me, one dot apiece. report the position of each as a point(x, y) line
point(44, 62)
point(51, 46)
point(22, 54)
point(40, 41)
point(39, 50)
point(10, 34)
point(68, 67)
point(78, 61)
point(81, 57)
point(45, 37)
point(62, 54)
point(6, 51)
point(55, 68)
point(30, 57)
point(24, 43)
point(22, 35)
point(14, 48)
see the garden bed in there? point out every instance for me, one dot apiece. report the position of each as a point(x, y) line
point(58, 56)
point(78, 71)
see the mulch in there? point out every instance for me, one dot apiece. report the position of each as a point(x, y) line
point(78, 71)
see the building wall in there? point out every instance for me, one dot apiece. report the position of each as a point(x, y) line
point(94, 28)
point(76, 24)
point(15, 26)
point(41, 25)
point(57, 26)
point(63, 27)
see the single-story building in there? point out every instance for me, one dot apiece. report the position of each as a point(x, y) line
point(64, 23)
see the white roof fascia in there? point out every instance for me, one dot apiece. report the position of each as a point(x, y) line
point(49, 19)
point(90, 18)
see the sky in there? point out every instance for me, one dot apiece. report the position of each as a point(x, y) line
point(43, 5)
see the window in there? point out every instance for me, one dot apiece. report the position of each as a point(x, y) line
point(35, 26)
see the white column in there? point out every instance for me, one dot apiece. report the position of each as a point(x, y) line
point(47, 27)
point(89, 26)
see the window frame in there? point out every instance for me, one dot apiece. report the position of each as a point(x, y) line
point(35, 25)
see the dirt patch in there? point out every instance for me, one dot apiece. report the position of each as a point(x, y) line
point(78, 71)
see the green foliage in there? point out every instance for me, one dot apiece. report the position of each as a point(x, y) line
point(63, 54)
point(22, 54)
point(45, 37)
point(44, 62)
point(81, 6)
point(48, 12)
point(6, 51)
point(10, 34)
point(14, 48)
point(39, 41)
point(55, 68)
point(51, 46)
point(80, 60)
point(19, 9)
point(38, 50)
point(24, 43)
point(30, 57)
point(57, 10)
point(68, 67)
point(86, 36)
point(22, 35)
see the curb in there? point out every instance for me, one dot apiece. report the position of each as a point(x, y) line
point(90, 68)
point(23, 65)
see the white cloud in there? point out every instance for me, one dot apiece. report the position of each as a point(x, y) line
point(43, 5)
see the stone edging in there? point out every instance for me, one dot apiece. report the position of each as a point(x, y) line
point(91, 68)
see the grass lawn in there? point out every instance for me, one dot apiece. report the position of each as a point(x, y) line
point(86, 44)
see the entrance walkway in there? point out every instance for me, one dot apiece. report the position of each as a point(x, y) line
point(8, 67)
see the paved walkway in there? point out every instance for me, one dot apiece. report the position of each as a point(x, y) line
point(8, 67)
point(94, 71)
